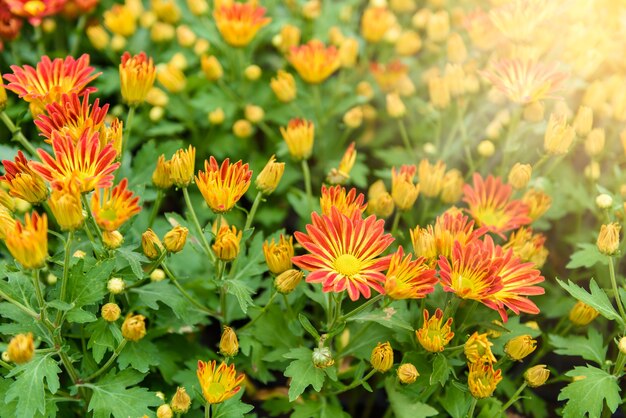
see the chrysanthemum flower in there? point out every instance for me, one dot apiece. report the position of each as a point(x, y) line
point(238, 23)
point(525, 81)
point(278, 255)
point(518, 20)
point(28, 241)
point(23, 182)
point(435, 334)
point(517, 279)
point(483, 379)
point(403, 191)
point(375, 23)
point(83, 161)
point(222, 186)
point(72, 117)
point(408, 278)
point(471, 273)
point(528, 246)
point(341, 174)
point(299, 136)
point(348, 203)
point(218, 383)
point(51, 79)
point(10, 24)
point(137, 75)
point(182, 165)
point(537, 201)
point(491, 206)
point(345, 253)
point(111, 208)
point(112, 133)
point(431, 177)
point(66, 205)
point(477, 349)
point(314, 61)
point(35, 10)
point(388, 76)
point(7, 223)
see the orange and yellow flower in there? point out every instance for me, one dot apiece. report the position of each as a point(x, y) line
point(344, 253)
point(388, 76)
point(28, 241)
point(238, 23)
point(66, 205)
point(83, 161)
point(51, 79)
point(222, 186)
point(111, 208)
point(525, 81)
point(218, 383)
point(72, 117)
point(483, 379)
point(408, 278)
point(299, 135)
point(24, 183)
point(528, 246)
point(403, 191)
point(348, 204)
point(477, 349)
point(435, 334)
point(137, 75)
point(10, 24)
point(314, 61)
point(35, 10)
point(491, 206)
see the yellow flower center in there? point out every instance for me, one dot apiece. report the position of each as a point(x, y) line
point(492, 217)
point(348, 265)
point(35, 7)
point(216, 389)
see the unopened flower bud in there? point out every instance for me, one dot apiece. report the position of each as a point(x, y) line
point(51, 279)
point(5, 357)
point(112, 239)
point(115, 285)
point(382, 205)
point(21, 348)
point(226, 246)
point(583, 123)
point(594, 144)
point(582, 314)
point(267, 180)
point(157, 275)
point(322, 357)
point(520, 174)
point(254, 114)
point(353, 118)
point(537, 375)
point(216, 117)
point(382, 357)
point(229, 344)
point(287, 281)
point(252, 72)
point(110, 312)
point(151, 244)
point(174, 240)
point(604, 201)
point(407, 373)
point(242, 128)
point(134, 327)
point(181, 401)
point(79, 254)
point(164, 411)
point(621, 345)
point(608, 239)
point(486, 148)
point(519, 347)
point(395, 107)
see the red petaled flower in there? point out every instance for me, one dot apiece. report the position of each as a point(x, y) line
point(348, 204)
point(518, 281)
point(83, 161)
point(112, 207)
point(491, 206)
point(408, 278)
point(223, 186)
point(51, 79)
point(10, 25)
point(35, 10)
point(23, 181)
point(238, 23)
point(73, 117)
point(345, 253)
point(471, 273)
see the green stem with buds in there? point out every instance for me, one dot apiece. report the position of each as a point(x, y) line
point(196, 223)
point(183, 292)
point(155, 207)
point(405, 137)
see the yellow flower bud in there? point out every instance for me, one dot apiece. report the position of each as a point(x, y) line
point(181, 401)
point(252, 72)
point(608, 239)
point(226, 246)
point(559, 135)
point(182, 166)
point(348, 52)
point(455, 79)
point(66, 206)
point(604, 201)
point(583, 122)
point(267, 180)
point(431, 177)
point(151, 244)
point(299, 136)
point(520, 175)
point(477, 349)
point(289, 37)
point(582, 314)
point(288, 280)
point(201, 47)
point(395, 107)
point(254, 114)
point(519, 347)
point(120, 20)
point(110, 312)
point(486, 148)
point(216, 117)
point(322, 357)
point(483, 379)
point(439, 92)
point(112, 239)
point(242, 128)
point(174, 240)
point(115, 285)
point(452, 188)
point(157, 97)
point(375, 22)
point(438, 26)
point(197, 8)
point(621, 345)
point(592, 171)
point(457, 52)
point(353, 118)
point(407, 373)
point(134, 327)
point(382, 357)
point(21, 348)
point(171, 77)
point(534, 111)
point(161, 175)
point(537, 201)
point(157, 275)
point(284, 86)
point(278, 254)
point(165, 411)
point(382, 205)
point(162, 32)
point(409, 43)
point(594, 144)
point(98, 37)
point(79, 254)
point(537, 375)
point(211, 67)
point(229, 345)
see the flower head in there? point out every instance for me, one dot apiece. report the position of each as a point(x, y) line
point(520, 347)
point(111, 208)
point(267, 180)
point(582, 314)
point(407, 373)
point(284, 86)
point(435, 334)
point(35, 10)
point(483, 379)
point(519, 20)
point(278, 254)
point(314, 61)
point(349, 204)
point(388, 76)
point(226, 245)
point(344, 253)
point(83, 161)
point(477, 349)
point(7, 223)
point(134, 327)
point(431, 177)
point(10, 24)
point(375, 23)
point(137, 75)
point(229, 344)
point(341, 174)
point(382, 357)
point(181, 166)
point(218, 383)
point(299, 135)
point(491, 206)
point(528, 246)
point(408, 278)
point(223, 186)
point(403, 191)
point(72, 117)
point(525, 81)
point(238, 23)
point(161, 175)
point(151, 244)
point(21, 348)
point(24, 183)
point(288, 280)
point(28, 241)
point(51, 79)
point(175, 239)
point(537, 375)
point(66, 205)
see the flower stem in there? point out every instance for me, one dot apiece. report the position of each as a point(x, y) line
point(39, 295)
point(470, 413)
point(66, 273)
point(405, 137)
point(109, 362)
point(265, 308)
point(17, 134)
point(513, 399)
point(255, 205)
point(78, 30)
point(41, 47)
point(196, 223)
point(187, 296)
point(91, 219)
point(618, 299)
point(355, 383)
point(306, 172)
point(155, 208)
point(362, 307)
point(396, 222)
point(128, 127)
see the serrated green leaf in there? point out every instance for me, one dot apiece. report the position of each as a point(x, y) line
point(303, 372)
point(587, 256)
point(134, 260)
point(29, 387)
point(167, 293)
point(589, 348)
point(441, 370)
point(405, 405)
point(242, 292)
point(597, 299)
point(139, 355)
point(308, 327)
point(87, 286)
point(382, 318)
point(318, 409)
point(117, 395)
point(456, 402)
point(233, 408)
point(587, 396)
point(104, 337)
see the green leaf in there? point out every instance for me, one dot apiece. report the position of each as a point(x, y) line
point(139, 355)
point(317, 409)
point(87, 286)
point(587, 256)
point(134, 260)
point(117, 395)
point(384, 319)
point(167, 293)
point(597, 299)
point(590, 347)
point(406, 405)
point(456, 402)
point(242, 292)
point(29, 388)
point(441, 370)
point(104, 337)
point(306, 324)
point(302, 372)
point(587, 396)
point(233, 408)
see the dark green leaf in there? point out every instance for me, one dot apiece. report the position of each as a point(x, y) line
point(405, 405)
point(587, 256)
point(587, 396)
point(139, 355)
point(242, 292)
point(303, 372)
point(597, 299)
point(456, 402)
point(105, 336)
point(590, 347)
point(306, 324)
point(233, 408)
point(134, 260)
point(441, 370)
point(29, 387)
